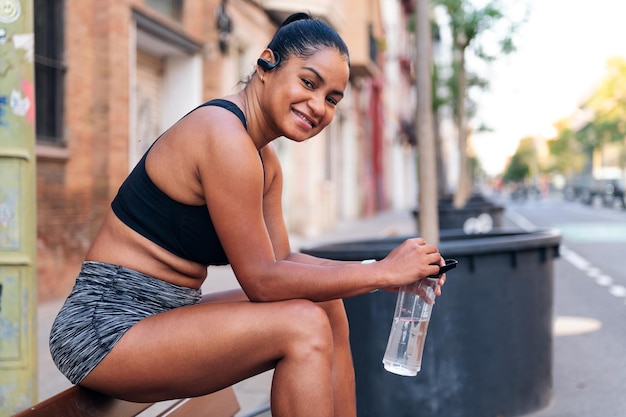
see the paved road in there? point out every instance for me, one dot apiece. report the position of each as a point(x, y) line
point(590, 293)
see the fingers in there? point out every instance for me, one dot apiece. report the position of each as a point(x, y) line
point(430, 248)
point(418, 240)
point(442, 280)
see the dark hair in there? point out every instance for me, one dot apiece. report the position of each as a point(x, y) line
point(302, 35)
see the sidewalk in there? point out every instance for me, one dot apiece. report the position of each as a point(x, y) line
point(253, 393)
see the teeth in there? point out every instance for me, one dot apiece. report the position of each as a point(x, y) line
point(303, 117)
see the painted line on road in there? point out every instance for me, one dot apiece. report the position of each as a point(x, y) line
point(618, 290)
point(521, 221)
point(592, 272)
point(576, 260)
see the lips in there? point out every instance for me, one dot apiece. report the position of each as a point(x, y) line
point(304, 117)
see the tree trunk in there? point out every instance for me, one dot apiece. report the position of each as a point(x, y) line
point(428, 219)
point(442, 178)
point(464, 187)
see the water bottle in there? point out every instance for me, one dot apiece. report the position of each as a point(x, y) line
point(405, 346)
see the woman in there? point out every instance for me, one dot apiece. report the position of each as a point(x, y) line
point(208, 192)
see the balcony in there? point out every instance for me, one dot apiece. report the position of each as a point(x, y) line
point(327, 10)
point(360, 31)
point(362, 34)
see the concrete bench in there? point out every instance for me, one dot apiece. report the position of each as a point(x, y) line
point(81, 402)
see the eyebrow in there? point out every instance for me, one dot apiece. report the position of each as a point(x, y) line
point(322, 80)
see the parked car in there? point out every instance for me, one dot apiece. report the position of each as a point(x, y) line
point(607, 192)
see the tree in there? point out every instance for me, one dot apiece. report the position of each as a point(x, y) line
point(568, 154)
point(520, 168)
point(604, 123)
point(469, 26)
point(608, 104)
point(427, 165)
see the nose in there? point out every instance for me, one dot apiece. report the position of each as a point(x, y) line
point(317, 104)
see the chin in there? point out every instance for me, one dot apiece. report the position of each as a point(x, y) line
point(300, 136)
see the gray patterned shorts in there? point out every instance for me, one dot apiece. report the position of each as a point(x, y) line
point(105, 302)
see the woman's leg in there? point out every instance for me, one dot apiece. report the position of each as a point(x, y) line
point(198, 349)
point(344, 395)
point(343, 370)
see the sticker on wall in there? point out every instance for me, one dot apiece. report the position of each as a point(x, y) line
point(9, 11)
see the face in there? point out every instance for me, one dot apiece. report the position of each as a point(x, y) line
point(304, 93)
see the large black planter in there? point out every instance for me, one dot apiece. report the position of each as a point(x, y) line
point(488, 351)
point(479, 215)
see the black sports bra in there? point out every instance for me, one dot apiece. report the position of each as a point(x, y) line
point(186, 231)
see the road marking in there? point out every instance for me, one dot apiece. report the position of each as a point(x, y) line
point(618, 291)
point(521, 221)
point(596, 274)
point(604, 280)
point(575, 259)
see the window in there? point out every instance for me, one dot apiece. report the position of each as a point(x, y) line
point(49, 70)
point(170, 8)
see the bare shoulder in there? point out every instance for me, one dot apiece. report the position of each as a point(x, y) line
point(206, 128)
point(203, 145)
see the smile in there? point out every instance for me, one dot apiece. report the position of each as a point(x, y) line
point(305, 118)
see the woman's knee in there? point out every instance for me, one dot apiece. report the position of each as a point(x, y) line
point(336, 312)
point(309, 326)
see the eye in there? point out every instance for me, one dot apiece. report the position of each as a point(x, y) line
point(308, 83)
point(332, 101)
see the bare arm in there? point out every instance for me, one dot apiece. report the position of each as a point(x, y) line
point(244, 202)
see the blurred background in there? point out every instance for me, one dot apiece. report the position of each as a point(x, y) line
point(528, 109)
point(542, 104)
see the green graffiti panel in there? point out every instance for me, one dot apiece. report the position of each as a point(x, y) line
point(9, 204)
point(12, 317)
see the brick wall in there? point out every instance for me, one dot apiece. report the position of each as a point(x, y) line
point(75, 186)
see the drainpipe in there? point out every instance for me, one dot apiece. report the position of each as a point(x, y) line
point(18, 282)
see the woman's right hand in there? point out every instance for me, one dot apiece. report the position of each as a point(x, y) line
point(412, 260)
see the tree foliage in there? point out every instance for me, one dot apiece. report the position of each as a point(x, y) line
point(605, 122)
point(522, 162)
point(473, 30)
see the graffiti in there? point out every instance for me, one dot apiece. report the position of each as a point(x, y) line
point(9, 11)
point(19, 104)
point(25, 42)
point(9, 203)
point(5, 215)
point(3, 103)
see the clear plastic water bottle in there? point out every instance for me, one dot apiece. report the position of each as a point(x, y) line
point(403, 355)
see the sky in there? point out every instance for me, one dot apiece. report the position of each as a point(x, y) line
point(561, 55)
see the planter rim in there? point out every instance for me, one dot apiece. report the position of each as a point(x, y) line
point(453, 242)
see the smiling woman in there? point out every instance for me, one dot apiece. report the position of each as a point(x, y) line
point(208, 192)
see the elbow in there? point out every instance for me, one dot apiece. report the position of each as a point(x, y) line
point(259, 294)
point(260, 285)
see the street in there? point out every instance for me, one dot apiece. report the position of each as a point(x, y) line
point(590, 308)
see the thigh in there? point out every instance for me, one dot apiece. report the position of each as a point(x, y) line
point(202, 348)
